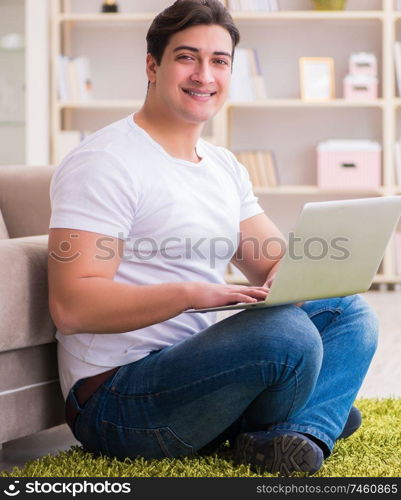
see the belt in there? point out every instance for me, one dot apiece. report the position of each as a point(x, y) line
point(83, 393)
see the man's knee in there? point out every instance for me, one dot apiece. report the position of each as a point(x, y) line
point(284, 331)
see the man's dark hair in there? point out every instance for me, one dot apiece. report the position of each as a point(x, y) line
point(184, 14)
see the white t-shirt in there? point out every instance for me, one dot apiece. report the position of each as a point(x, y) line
point(179, 220)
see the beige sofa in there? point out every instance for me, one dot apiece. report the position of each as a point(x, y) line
point(30, 395)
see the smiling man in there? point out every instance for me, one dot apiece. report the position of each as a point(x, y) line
point(146, 216)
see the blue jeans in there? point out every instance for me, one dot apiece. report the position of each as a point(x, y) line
point(286, 367)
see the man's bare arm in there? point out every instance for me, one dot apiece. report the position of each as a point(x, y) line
point(84, 298)
point(260, 249)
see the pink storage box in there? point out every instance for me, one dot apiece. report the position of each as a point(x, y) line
point(363, 63)
point(348, 164)
point(360, 87)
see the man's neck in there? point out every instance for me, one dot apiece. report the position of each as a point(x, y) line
point(177, 138)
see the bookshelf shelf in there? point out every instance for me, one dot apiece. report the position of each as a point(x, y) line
point(258, 125)
point(106, 18)
point(382, 278)
point(237, 16)
point(307, 15)
point(101, 104)
point(315, 190)
point(299, 103)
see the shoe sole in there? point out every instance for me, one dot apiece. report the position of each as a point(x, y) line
point(284, 454)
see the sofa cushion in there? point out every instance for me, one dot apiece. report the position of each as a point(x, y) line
point(3, 229)
point(24, 310)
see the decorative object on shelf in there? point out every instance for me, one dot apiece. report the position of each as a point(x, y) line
point(253, 5)
point(349, 164)
point(329, 4)
point(247, 83)
point(109, 6)
point(361, 83)
point(261, 166)
point(317, 78)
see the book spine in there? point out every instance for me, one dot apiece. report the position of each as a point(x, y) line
point(262, 169)
point(62, 77)
point(270, 168)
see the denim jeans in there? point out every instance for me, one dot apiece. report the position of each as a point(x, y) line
point(286, 367)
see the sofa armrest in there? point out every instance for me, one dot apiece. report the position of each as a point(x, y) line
point(25, 200)
point(25, 318)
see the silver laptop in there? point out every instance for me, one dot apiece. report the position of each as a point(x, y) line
point(335, 250)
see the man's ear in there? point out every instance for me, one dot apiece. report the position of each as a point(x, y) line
point(151, 68)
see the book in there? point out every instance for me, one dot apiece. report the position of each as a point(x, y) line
point(241, 86)
point(247, 83)
point(259, 82)
point(271, 168)
point(62, 70)
point(261, 167)
point(84, 80)
point(74, 79)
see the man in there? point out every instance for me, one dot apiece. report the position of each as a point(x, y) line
point(145, 218)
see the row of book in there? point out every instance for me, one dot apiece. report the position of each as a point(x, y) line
point(247, 83)
point(261, 166)
point(253, 5)
point(74, 79)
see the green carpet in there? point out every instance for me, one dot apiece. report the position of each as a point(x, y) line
point(373, 451)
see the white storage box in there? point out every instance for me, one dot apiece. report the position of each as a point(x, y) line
point(349, 164)
point(363, 63)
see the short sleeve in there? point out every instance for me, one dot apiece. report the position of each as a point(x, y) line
point(249, 202)
point(93, 191)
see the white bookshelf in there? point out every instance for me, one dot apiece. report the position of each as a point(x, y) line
point(24, 83)
point(367, 25)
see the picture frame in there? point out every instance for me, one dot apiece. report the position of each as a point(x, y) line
point(317, 78)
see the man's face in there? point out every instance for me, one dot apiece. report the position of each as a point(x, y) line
point(193, 78)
